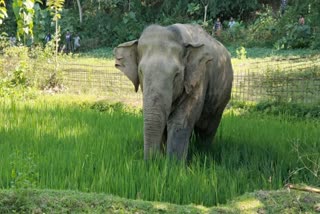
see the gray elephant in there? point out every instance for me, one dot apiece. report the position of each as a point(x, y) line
point(186, 78)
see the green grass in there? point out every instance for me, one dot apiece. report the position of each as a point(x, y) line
point(63, 143)
point(103, 57)
point(255, 52)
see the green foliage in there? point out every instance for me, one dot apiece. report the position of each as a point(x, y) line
point(3, 11)
point(271, 29)
point(24, 13)
point(193, 9)
point(103, 106)
point(108, 23)
point(103, 26)
point(315, 44)
point(293, 35)
point(295, 110)
point(236, 34)
point(20, 76)
point(55, 7)
point(241, 53)
point(42, 24)
point(129, 28)
point(24, 171)
point(298, 36)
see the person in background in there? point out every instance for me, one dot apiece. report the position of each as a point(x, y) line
point(68, 42)
point(12, 40)
point(217, 27)
point(283, 6)
point(47, 38)
point(231, 22)
point(301, 20)
point(76, 42)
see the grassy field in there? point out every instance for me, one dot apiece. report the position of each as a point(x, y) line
point(75, 143)
point(290, 76)
point(102, 60)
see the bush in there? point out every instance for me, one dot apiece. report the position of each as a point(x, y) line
point(315, 44)
point(20, 72)
point(237, 34)
point(297, 36)
point(241, 53)
point(280, 108)
point(262, 32)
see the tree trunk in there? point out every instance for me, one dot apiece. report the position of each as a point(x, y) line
point(205, 13)
point(56, 46)
point(80, 11)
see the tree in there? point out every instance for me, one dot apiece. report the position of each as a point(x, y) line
point(205, 3)
point(24, 12)
point(80, 11)
point(3, 11)
point(55, 6)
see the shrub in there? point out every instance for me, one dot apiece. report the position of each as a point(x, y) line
point(315, 44)
point(241, 53)
point(20, 74)
point(280, 108)
point(298, 36)
point(237, 34)
point(262, 31)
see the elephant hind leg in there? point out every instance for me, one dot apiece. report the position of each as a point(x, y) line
point(208, 129)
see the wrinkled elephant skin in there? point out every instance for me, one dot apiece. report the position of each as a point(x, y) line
point(186, 78)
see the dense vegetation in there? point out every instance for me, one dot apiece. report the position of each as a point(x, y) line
point(66, 143)
point(107, 23)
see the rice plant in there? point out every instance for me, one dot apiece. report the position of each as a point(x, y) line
point(73, 146)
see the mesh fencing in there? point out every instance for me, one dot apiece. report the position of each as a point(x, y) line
point(289, 80)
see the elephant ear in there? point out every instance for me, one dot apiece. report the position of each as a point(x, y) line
point(126, 61)
point(196, 59)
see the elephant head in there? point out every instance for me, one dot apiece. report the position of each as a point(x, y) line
point(167, 66)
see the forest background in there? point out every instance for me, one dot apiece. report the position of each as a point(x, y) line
point(106, 23)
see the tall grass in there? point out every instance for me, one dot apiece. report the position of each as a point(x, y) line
point(74, 147)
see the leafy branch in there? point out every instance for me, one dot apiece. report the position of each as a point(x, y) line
point(3, 11)
point(24, 12)
point(55, 7)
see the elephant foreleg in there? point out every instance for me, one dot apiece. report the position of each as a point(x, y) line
point(207, 128)
point(180, 126)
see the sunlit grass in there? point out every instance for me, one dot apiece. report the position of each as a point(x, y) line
point(270, 58)
point(75, 147)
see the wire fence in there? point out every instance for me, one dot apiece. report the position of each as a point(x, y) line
point(290, 80)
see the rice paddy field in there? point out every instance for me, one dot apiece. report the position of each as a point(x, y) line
point(76, 143)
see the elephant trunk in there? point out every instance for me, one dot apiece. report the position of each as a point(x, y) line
point(154, 125)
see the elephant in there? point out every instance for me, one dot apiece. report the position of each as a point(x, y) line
point(186, 77)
